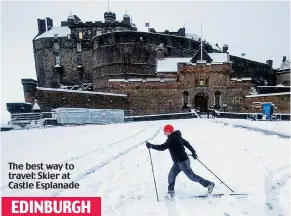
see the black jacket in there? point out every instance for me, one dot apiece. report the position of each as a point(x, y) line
point(175, 143)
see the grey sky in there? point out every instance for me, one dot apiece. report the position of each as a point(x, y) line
point(261, 29)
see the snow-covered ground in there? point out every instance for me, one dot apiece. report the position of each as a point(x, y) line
point(112, 161)
point(281, 128)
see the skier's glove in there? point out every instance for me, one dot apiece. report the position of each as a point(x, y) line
point(194, 156)
point(148, 145)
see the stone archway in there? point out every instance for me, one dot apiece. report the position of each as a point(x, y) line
point(201, 101)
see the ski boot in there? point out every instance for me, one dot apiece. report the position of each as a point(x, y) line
point(171, 193)
point(210, 187)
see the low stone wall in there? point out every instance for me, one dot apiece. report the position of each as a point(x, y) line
point(161, 117)
point(281, 101)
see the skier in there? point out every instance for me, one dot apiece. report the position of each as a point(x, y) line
point(175, 143)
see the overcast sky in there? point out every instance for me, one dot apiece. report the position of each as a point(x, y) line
point(261, 29)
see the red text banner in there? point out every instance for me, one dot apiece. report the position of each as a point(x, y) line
point(60, 206)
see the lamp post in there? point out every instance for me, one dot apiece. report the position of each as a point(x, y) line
point(224, 107)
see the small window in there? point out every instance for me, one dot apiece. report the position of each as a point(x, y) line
point(80, 35)
point(79, 47)
point(185, 98)
point(58, 60)
point(56, 47)
point(207, 82)
point(217, 98)
point(196, 82)
point(79, 59)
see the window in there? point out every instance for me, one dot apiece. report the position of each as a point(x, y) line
point(80, 35)
point(58, 60)
point(237, 100)
point(207, 81)
point(56, 47)
point(217, 99)
point(79, 47)
point(185, 98)
point(196, 82)
point(79, 59)
point(170, 106)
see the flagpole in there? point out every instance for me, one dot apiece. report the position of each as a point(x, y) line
point(201, 39)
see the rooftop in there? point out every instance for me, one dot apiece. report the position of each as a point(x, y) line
point(285, 65)
point(62, 31)
point(170, 64)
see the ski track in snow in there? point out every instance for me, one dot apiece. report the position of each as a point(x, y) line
point(98, 166)
point(88, 153)
point(267, 132)
point(272, 189)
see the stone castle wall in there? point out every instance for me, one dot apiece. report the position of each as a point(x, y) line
point(48, 99)
point(282, 102)
point(105, 54)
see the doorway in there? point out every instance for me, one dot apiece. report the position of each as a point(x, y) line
point(200, 102)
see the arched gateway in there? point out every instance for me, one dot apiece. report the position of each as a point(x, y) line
point(201, 101)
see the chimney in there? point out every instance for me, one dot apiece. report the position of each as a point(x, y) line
point(49, 23)
point(284, 58)
point(225, 48)
point(41, 26)
point(269, 62)
point(181, 32)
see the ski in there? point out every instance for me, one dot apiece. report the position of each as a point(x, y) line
point(219, 195)
point(170, 197)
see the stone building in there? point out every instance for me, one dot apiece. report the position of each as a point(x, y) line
point(283, 73)
point(110, 64)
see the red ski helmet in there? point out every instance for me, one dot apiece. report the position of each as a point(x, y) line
point(169, 128)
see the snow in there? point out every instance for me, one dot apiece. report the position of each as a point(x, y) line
point(6, 126)
point(36, 106)
point(192, 35)
point(277, 86)
point(281, 128)
point(112, 161)
point(170, 64)
point(285, 65)
point(219, 57)
point(62, 31)
point(271, 94)
point(144, 80)
point(83, 92)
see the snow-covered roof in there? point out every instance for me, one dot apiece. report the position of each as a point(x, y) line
point(192, 35)
point(81, 92)
point(241, 79)
point(170, 64)
point(219, 57)
point(62, 31)
point(144, 80)
point(36, 106)
point(277, 86)
point(20, 102)
point(271, 94)
point(285, 65)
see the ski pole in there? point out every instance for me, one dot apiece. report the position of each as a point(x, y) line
point(154, 175)
point(214, 174)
